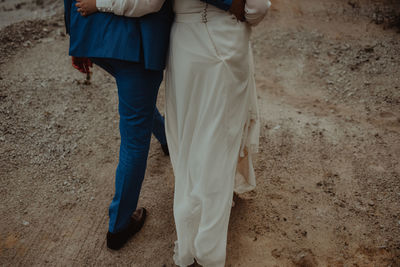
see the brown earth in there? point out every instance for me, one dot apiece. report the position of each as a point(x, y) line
point(328, 194)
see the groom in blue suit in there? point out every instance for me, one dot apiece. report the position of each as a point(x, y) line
point(134, 51)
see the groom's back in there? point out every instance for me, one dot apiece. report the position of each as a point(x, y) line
point(105, 35)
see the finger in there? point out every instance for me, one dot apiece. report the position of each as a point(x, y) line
point(74, 64)
point(89, 64)
point(76, 67)
point(85, 65)
point(79, 67)
point(85, 68)
point(241, 16)
point(78, 5)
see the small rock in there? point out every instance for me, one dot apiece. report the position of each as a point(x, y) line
point(60, 32)
point(47, 40)
point(277, 127)
point(27, 43)
point(276, 253)
point(25, 223)
point(330, 82)
point(353, 3)
point(369, 49)
point(345, 47)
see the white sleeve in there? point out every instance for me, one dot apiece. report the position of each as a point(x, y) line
point(255, 11)
point(129, 8)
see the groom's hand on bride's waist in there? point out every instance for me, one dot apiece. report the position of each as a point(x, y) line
point(237, 9)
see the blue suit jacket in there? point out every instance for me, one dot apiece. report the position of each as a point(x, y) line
point(105, 35)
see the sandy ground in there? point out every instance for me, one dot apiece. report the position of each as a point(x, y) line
point(328, 170)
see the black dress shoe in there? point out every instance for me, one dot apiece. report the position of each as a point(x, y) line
point(165, 149)
point(117, 240)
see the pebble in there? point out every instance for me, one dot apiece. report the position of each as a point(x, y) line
point(277, 127)
point(60, 32)
point(27, 43)
point(25, 223)
point(47, 40)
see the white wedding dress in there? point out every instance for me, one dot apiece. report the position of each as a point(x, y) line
point(212, 126)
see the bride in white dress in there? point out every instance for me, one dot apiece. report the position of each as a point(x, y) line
point(212, 122)
point(212, 125)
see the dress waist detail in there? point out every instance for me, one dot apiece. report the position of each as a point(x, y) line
point(203, 16)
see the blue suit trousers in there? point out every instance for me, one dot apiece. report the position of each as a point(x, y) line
point(139, 118)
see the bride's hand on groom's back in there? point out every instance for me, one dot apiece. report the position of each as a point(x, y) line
point(237, 9)
point(86, 7)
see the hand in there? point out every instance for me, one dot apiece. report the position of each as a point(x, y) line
point(237, 9)
point(83, 64)
point(86, 7)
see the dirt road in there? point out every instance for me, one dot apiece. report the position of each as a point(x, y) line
point(328, 170)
